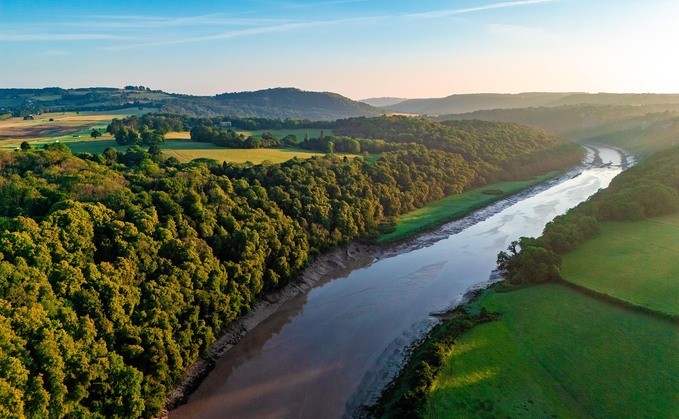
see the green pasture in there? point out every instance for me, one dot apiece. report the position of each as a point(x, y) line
point(559, 353)
point(637, 262)
point(185, 151)
point(455, 206)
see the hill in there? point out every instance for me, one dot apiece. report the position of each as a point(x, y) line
point(641, 129)
point(279, 103)
point(473, 102)
point(456, 104)
point(294, 103)
point(383, 101)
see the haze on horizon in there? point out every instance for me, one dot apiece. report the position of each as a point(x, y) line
point(358, 48)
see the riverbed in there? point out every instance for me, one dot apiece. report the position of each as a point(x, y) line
point(331, 349)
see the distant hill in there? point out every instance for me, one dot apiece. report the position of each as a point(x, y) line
point(473, 102)
point(271, 103)
point(294, 103)
point(641, 129)
point(457, 104)
point(382, 102)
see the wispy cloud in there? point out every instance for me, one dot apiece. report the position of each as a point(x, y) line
point(33, 37)
point(217, 36)
point(157, 22)
point(283, 27)
point(153, 31)
point(451, 12)
point(286, 5)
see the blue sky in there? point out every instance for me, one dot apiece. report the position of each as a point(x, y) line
point(358, 48)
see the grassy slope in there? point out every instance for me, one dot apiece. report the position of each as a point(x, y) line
point(637, 262)
point(559, 352)
point(453, 207)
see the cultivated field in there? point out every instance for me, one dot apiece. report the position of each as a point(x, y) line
point(559, 353)
point(64, 127)
point(637, 262)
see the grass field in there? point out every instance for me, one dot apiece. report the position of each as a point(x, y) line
point(637, 262)
point(456, 206)
point(559, 353)
point(186, 151)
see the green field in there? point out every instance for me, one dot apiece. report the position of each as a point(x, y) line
point(637, 262)
point(186, 151)
point(455, 206)
point(559, 353)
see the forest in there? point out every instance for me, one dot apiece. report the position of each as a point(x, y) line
point(118, 270)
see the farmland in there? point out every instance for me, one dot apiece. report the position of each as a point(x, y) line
point(559, 352)
point(63, 126)
point(634, 261)
point(74, 129)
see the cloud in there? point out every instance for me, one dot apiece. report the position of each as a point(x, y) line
point(324, 3)
point(156, 22)
point(58, 37)
point(451, 12)
point(283, 27)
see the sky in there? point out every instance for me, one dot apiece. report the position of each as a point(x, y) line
point(357, 48)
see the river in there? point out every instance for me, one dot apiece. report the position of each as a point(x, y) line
point(324, 353)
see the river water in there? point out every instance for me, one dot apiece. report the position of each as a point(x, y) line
point(325, 353)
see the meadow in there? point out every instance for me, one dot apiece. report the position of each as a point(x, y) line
point(636, 262)
point(557, 352)
point(185, 151)
point(455, 206)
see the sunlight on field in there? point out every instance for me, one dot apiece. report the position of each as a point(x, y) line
point(186, 151)
point(57, 126)
point(178, 135)
point(559, 353)
point(637, 262)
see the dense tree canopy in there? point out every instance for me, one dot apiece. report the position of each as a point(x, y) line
point(117, 271)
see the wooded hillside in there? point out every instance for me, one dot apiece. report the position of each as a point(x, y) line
point(117, 271)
